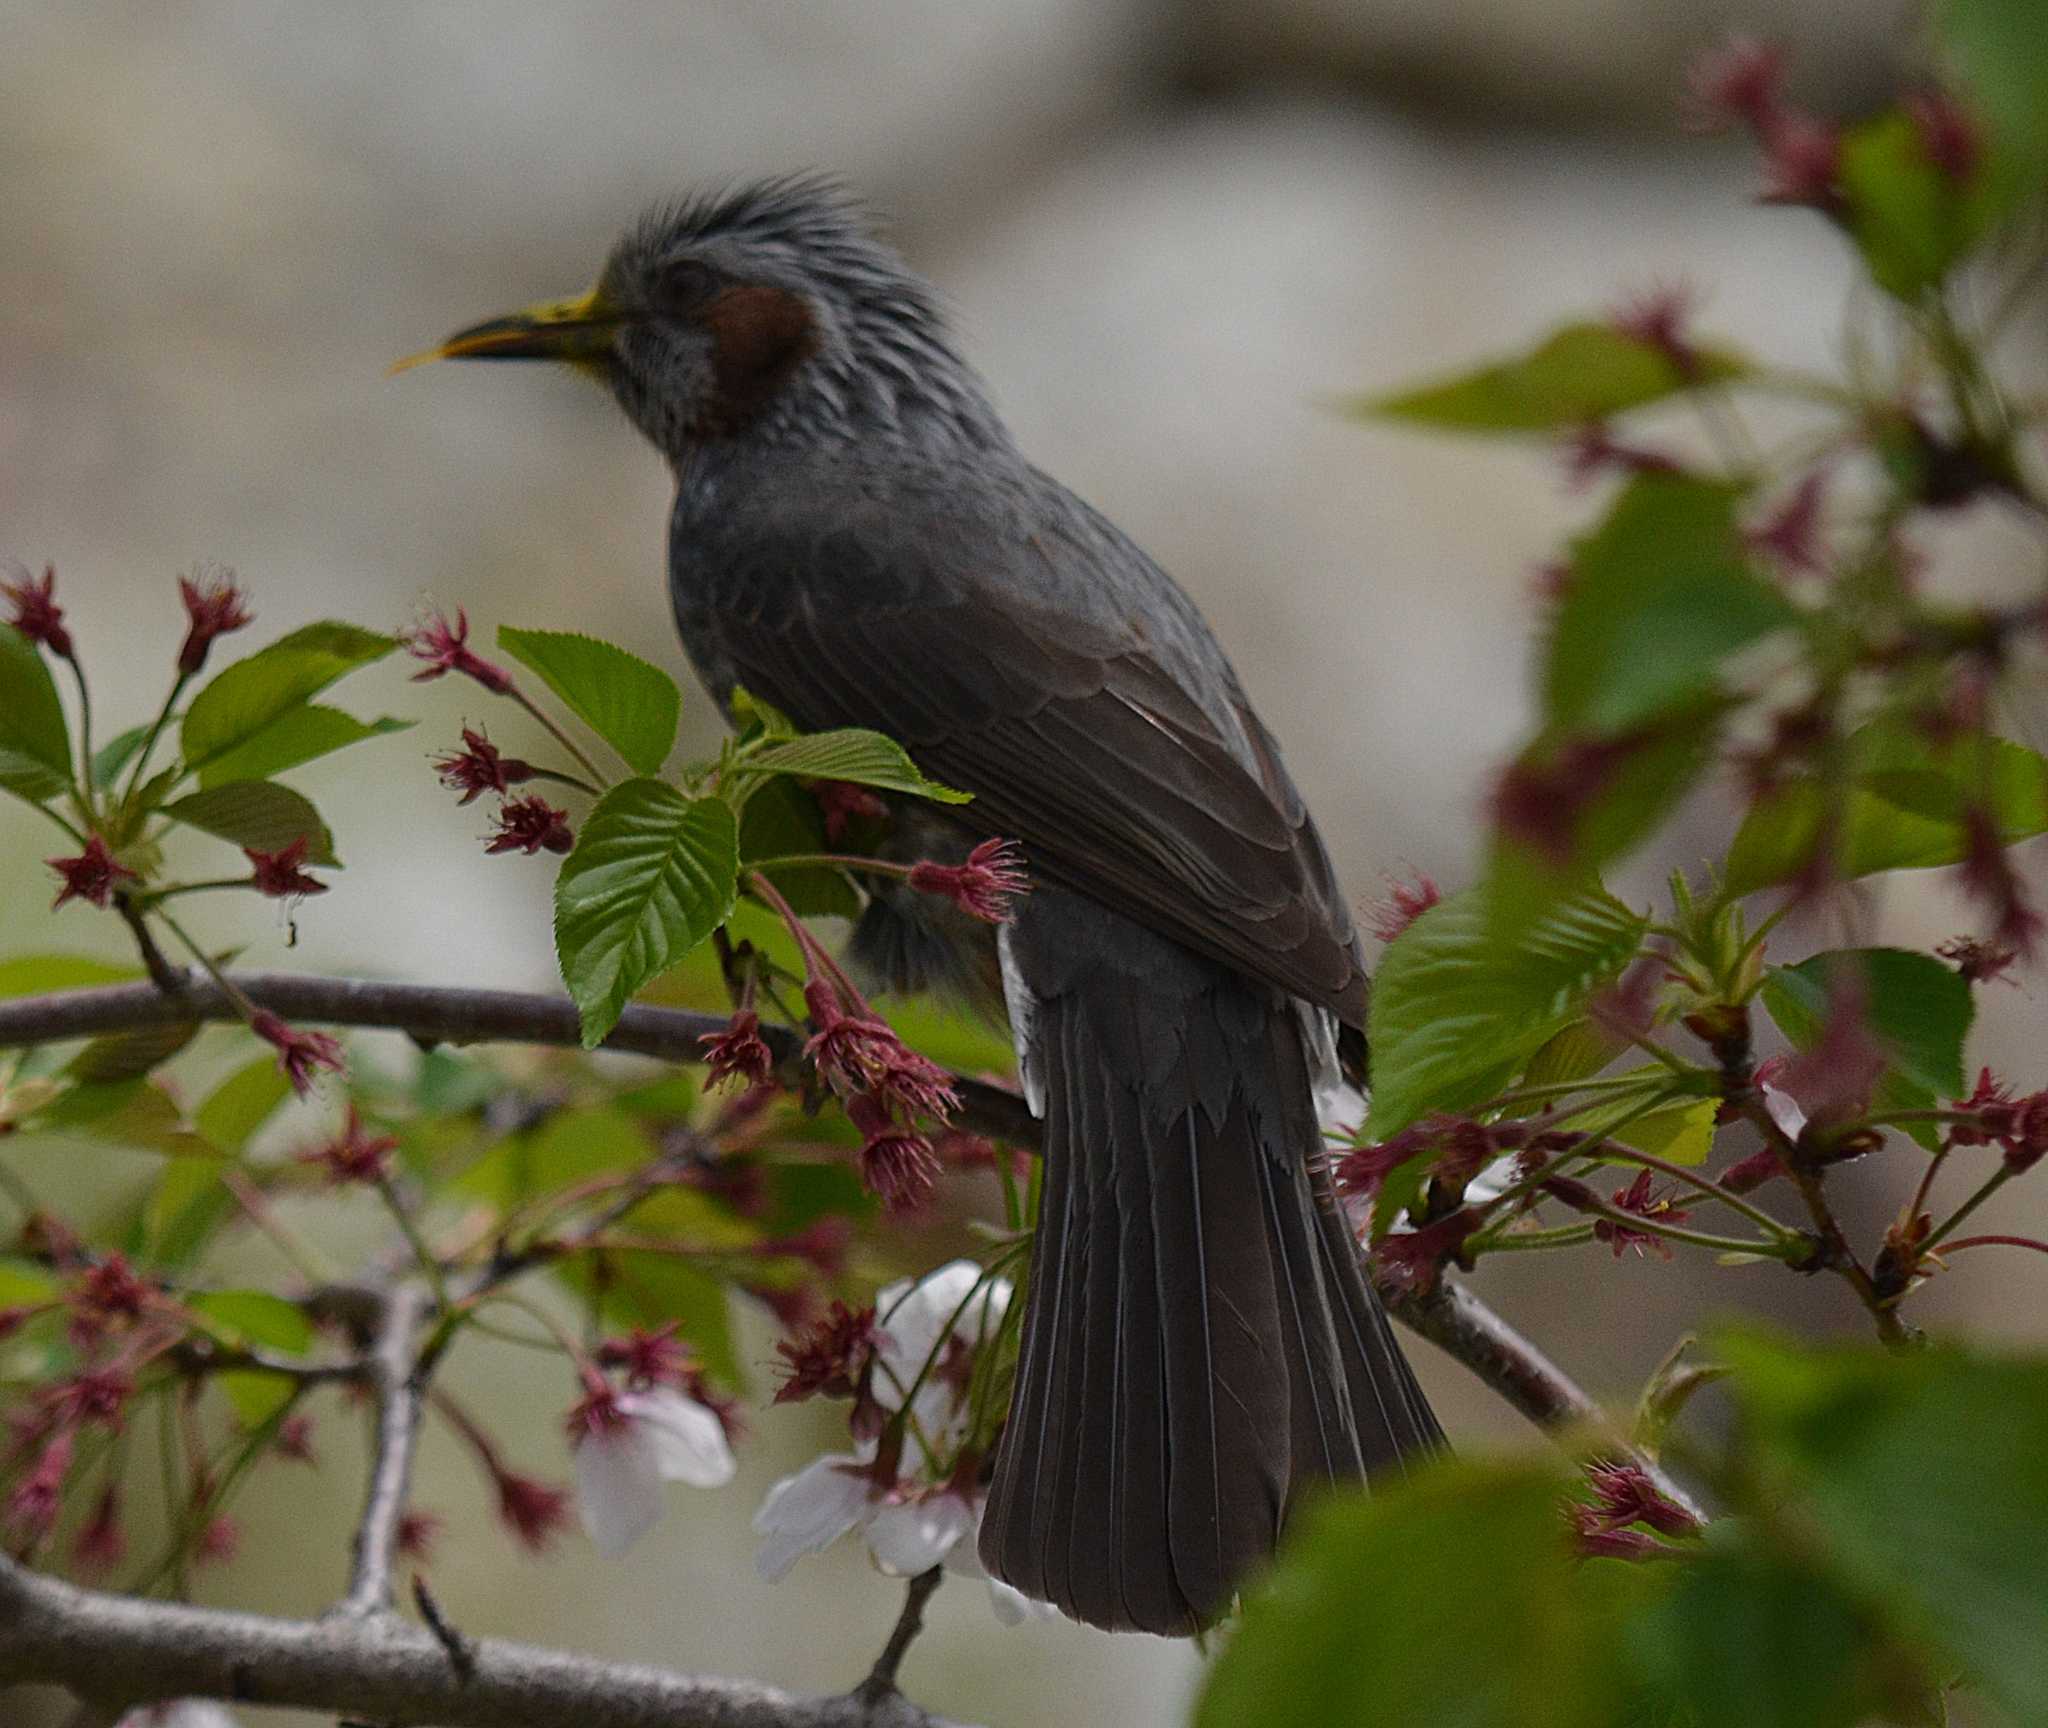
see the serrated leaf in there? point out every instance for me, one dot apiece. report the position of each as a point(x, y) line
point(1457, 1010)
point(244, 1317)
point(858, 757)
point(632, 706)
point(260, 815)
point(1920, 1009)
point(296, 736)
point(1903, 808)
point(35, 742)
point(249, 695)
point(653, 873)
point(1580, 373)
point(32, 974)
point(1660, 594)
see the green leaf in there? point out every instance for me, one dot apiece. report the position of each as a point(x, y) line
point(2002, 53)
point(753, 718)
point(1903, 808)
point(127, 1055)
point(1448, 1602)
point(183, 1209)
point(652, 875)
point(1920, 1009)
point(781, 820)
point(1580, 373)
point(122, 1113)
point(35, 743)
point(257, 1399)
point(241, 1104)
point(1457, 1011)
point(570, 1146)
point(1660, 594)
point(296, 736)
point(260, 815)
point(116, 754)
point(653, 1289)
point(246, 697)
point(1604, 796)
point(858, 757)
point(632, 706)
point(1922, 1482)
point(244, 1317)
point(1682, 1134)
point(1760, 1641)
point(23, 1284)
point(1911, 221)
point(32, 974)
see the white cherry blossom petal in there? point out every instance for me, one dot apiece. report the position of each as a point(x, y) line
point(808, 1512)
point(618, 1486)
point(1785, 1111)
point(179, 1713)
point(1013, 1607)
point(912, 1536)
point(688, 1438)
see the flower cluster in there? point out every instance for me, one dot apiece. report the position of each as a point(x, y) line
point(910, 1484)
point(885, 1085)
point(1626, 1506)
point(657, 1423)
point(2018, 1126)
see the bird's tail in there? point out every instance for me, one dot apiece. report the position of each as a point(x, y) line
point(1199, 1347)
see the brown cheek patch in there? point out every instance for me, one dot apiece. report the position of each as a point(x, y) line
point(759, 336)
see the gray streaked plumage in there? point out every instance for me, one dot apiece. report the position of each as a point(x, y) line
point(856, 539)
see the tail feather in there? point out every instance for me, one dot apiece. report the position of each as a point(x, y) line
point(1199, 1345)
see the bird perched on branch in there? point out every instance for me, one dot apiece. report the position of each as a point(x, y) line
point(857, 539)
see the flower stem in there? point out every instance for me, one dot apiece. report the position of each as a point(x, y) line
point(156, 727)
point(560, 736)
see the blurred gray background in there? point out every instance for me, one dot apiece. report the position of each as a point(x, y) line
point(1172, 232)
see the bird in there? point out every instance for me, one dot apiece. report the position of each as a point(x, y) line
point(857, 540)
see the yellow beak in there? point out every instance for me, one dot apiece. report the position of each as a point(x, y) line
point(575, 332)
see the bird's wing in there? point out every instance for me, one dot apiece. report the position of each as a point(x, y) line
point(1074, 735)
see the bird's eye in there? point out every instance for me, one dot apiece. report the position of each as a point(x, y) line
point(685, 283)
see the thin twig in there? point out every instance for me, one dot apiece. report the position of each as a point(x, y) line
point(881, 1680)
point(399, 1392)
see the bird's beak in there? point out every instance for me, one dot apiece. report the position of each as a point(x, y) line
point(575, 332)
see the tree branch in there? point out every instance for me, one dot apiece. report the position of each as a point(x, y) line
point(116, 1651)
point(1455, 1320)
point(433, 1014)
point(400, 1387)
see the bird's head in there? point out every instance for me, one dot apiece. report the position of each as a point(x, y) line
point(769, 313)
